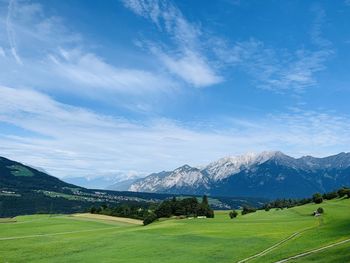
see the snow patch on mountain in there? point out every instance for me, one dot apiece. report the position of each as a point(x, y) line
point(228, 166)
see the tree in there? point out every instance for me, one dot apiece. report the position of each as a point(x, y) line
point(150, 219)
point(330, 195)
point(164, 209)
point(247, 210)
point(317, 198)
point(343, 192)
point(233, 214)
point(320, 210)
point(205, 200)
point(93, 210)
point(210, 213)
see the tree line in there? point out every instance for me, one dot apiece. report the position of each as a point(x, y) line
point(187, 207)
point(124, 210)
point(316, 198)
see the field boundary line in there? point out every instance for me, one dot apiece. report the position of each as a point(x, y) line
point(313, 251)
point(56, 234)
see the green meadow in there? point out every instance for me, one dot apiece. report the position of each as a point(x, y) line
point(63, 238)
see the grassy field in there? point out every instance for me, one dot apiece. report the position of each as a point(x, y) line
point(43, 238)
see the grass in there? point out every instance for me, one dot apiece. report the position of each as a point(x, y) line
point(97, 217)
point(85, 239)
point(19, 170)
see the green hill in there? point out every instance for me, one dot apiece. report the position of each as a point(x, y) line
point(280, 233)
point(18, 177)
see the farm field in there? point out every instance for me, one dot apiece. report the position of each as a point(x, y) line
point(86, 238)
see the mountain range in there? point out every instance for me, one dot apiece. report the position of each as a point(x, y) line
point(269, 174)
point(27, 190)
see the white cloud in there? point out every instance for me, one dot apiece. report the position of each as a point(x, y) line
point(55, 59)
point(190, 67)
point(2, 52)
point(185, 60)
point(279, 69)
point(72, 141)
point(89, 70)
point(276, 69)
point(11, 33)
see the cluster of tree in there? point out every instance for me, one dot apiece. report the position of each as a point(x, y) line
point(29, 202)
point(124, 210)
point(320, 210)
point(247, 210)
point(317, 198)
point(233, 214)
point(187, 207)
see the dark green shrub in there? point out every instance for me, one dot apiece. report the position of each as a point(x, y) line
point(320, 210)
point(329, 196)
point(247, 210)
point(317, 198)
point(233, 214)
point(150, 219)
point(344, 191)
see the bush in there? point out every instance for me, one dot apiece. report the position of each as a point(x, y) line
point(210, 214)
point(344, 191)
point(329, 196)
point(317, 198)
point(150, 219)
point(320, 210)
point(247, 210)
point(233, 214)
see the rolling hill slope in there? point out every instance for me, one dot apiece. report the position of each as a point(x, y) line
point(280, 233)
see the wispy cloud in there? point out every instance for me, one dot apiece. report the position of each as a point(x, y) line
point(2, 52)
point(279, 69)
point(190, 66)
point(184, 59)
point(275, 69)
point(11, 33)
point(73, 141)
point(89, 70)
point(56, 59)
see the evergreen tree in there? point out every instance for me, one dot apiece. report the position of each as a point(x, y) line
point(205, 200)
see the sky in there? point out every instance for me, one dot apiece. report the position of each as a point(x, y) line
point(121, 89)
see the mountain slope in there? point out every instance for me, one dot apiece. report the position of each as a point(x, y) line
point(16, 176)
point(268, 174)
point(25, 190)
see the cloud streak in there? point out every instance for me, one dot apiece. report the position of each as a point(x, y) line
point(11, 34)
point(52, 51)
point(184, 59)
point(273, 69)
point(73, 141)
point(87, 69)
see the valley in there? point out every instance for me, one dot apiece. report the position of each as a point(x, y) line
point(272, 236)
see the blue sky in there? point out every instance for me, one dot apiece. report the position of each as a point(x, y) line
point(126, 88)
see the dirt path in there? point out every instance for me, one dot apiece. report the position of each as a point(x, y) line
point(57, 234)
point(262, 253)
point(313, 251)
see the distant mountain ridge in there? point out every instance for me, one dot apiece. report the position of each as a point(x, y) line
point(270, 174)
point(26, 190)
